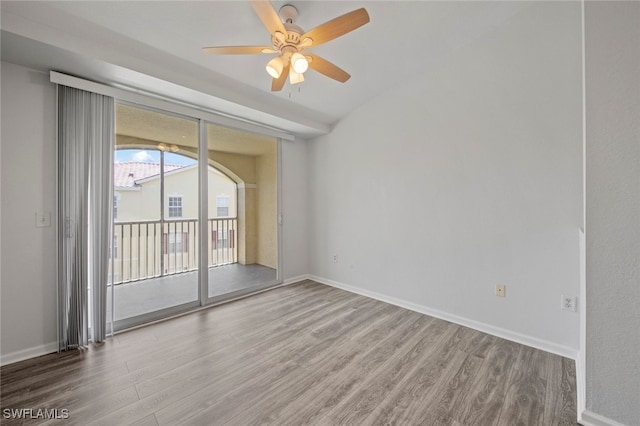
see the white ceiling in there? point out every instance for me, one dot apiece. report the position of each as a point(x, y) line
point(163, 39)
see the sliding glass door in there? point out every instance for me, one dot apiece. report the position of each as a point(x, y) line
point(242, 212)
point(171, 212)
point(154, 258)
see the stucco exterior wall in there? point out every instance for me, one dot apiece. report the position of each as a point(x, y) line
point(267, 232)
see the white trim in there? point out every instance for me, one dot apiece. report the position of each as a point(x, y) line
point(580, 385)
point(588, 418)
point(210, 169)
point(167, 173)
point(243, 185)
point(513, 336)
point(28, 353)
point(296, 279)
point(584, 117)
point(279, 204)
point(172, 105)
point(581, 361)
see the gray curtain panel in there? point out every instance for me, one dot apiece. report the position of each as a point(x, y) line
point(86, 127)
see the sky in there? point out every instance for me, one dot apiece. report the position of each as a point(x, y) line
point(151, 156)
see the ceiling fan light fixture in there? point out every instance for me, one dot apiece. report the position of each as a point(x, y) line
point(299, 63)
point(275, 66)
point(295, 77)
point(289, 41)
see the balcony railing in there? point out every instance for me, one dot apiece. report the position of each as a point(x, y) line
point(152, 249)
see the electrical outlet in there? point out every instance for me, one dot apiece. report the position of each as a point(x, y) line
point(335, 258)
point(568, 303)
point(500, 290)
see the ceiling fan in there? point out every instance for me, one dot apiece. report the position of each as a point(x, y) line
point(289, 41)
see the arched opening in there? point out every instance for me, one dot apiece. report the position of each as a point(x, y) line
point(156, 187)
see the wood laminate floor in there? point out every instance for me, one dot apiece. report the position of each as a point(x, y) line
point(301, 354)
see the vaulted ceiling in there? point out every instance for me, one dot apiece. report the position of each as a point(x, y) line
point(156, 46)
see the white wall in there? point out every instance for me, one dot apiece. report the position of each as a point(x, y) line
point(28, 280)
point(267, 207)
point(28, 168)
point(295, 209)
point(467, 176)
point(613, 210)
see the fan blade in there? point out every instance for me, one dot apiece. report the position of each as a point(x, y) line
point(337, 27)
point(327, 68)
point(268, 16)
point(278, 83)
point(236, 50)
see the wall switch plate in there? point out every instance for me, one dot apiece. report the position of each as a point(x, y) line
point(568, 303)
point(334, 258)
point(43, 220)
point(500, 290)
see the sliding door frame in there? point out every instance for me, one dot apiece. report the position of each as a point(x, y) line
point(237, 294)
point(203, 203)
point(148, 317)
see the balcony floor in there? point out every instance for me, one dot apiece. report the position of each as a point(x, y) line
point(141, 297)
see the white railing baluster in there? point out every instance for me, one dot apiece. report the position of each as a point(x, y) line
point(222, 246)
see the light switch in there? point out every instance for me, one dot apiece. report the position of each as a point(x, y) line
point(43, 220)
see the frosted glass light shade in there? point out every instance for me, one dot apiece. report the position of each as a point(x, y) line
point(299, 63)
point(274, 67)
point(295, 77)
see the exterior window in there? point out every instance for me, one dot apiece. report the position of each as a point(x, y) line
point(176, 243)
point(115, 207)
point(222, 240)
point(222, 204)
point(175, 206)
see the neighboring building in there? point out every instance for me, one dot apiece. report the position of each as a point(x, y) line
point(137, 192)
point(148, 244)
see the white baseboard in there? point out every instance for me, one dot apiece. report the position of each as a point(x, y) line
point(587, 418)
point(23, 354)
point(581, 394)
point(534, 342)
point(296, 279)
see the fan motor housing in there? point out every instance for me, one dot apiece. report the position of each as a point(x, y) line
point(289, 15)
point(291, 38)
